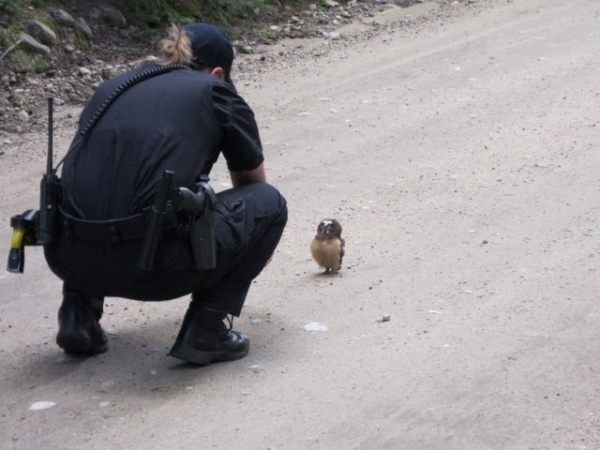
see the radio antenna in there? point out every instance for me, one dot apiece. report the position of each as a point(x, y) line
point(49, 192)
point(49, 162)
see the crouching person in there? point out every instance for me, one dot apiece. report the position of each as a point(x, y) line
point(178, 115)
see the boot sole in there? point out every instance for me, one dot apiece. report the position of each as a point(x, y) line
point(204, 358)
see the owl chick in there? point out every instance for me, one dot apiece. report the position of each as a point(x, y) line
point(327, 247)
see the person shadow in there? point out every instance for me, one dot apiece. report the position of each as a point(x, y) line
point(137, 362)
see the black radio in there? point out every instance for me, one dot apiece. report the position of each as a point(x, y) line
point(37, 227)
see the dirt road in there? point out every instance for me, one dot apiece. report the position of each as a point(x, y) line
point(461, 156)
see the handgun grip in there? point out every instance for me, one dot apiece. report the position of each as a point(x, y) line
point(189, 201)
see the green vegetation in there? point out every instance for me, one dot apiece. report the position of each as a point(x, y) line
point(16, 6)
point(10, 6)
point(149, 14)
point(158, 13)
point(265, 33)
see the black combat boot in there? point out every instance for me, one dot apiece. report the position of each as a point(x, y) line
point(204, 338)
point(79, 324)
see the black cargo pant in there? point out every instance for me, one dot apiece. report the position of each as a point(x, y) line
point(249, 222)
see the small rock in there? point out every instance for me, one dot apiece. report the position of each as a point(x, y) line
point(255, 368)
point(28, 42)
point(109, 72)
point(82, 26)
point(334, 35)
point(63, 18)
point(315, 326)
point(38, 406)
point(42, 32)
point(23, 116)
point(246, 49)
point(108, 14)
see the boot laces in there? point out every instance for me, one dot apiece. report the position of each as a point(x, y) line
point(229, 319)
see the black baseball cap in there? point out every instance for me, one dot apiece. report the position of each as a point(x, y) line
point(211, 47)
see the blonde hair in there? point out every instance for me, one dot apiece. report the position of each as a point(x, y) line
point(176, 47)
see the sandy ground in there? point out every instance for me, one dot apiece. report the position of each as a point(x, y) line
point(461, 157)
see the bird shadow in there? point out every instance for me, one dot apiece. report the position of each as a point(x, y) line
point(327, 275)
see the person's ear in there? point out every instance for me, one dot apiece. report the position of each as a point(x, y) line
point(218, 72)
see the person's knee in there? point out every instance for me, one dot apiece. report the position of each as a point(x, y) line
point(273, 203)
point(278, 206)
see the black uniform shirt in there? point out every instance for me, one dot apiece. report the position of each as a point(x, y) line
point(180, 121)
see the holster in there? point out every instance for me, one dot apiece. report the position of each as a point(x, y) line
point(201, 206)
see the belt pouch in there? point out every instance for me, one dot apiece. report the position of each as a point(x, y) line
point(202, 236)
